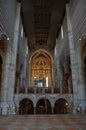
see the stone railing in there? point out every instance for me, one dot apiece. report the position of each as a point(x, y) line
point(36, 90)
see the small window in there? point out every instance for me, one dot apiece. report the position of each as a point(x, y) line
point(22, 31)
point(62, 35)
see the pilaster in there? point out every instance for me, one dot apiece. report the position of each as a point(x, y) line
point(13, 62)
point(72, 57)
point(5, 81)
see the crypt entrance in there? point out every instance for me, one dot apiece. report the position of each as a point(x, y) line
point(26, 107)
point(41, 69)
point(43, 106)
point(61, 106)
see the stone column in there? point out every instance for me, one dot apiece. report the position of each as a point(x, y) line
point(34, 110)
point(4, 88)
point(59, 76)
point(59, 72)
point(52, 110)
point(13, 62)
point(17, 109)
point(72, 56)
point(24, 71)
point(52, 107)
point(27, 70)
point(34, 107)
point(51, 79)
point(30, 79)
point(23, 80)
point(81, 82)
point(66, 68)
point(69, 86)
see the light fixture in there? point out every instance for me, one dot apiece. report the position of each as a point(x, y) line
point(8, 38)
point(66, 104)
point(80, 39)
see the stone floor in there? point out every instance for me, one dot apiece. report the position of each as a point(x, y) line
point(43, 122)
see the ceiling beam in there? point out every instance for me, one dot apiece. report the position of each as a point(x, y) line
point(56, 17)
point(28, 16)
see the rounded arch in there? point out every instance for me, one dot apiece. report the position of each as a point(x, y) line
point(43, 97)
point(4, 40)
point(3, 36)
point(61, 106)
point(65, 97)
point(26, 106)
point(43, 106)
point(21, 97)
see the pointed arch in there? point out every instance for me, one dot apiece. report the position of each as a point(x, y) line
point(41, 51)
point(41, 68)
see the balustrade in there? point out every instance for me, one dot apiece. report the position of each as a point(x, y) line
point(43, 90)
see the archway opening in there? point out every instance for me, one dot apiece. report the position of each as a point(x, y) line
point(43, 107)
point(41, 69)
point(26, 107)
point(61, 107)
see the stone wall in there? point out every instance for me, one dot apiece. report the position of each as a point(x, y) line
point(78, 18)
point(7, 17)
point(74, 35)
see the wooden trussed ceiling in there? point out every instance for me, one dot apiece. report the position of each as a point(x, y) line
point(42, 20)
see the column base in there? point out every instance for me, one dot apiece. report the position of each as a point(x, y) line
point(74, 110)
point(83, 106)
point(4, 108)
point(34, 110)
point(12, 108)
point(80, 107)
point(83, 109)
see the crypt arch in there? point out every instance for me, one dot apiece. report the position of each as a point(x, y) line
point(43, 106)
point(68, 99)
point(61, 106)
point(26, 106)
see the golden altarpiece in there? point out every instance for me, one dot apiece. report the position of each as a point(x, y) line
point(41, 70)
